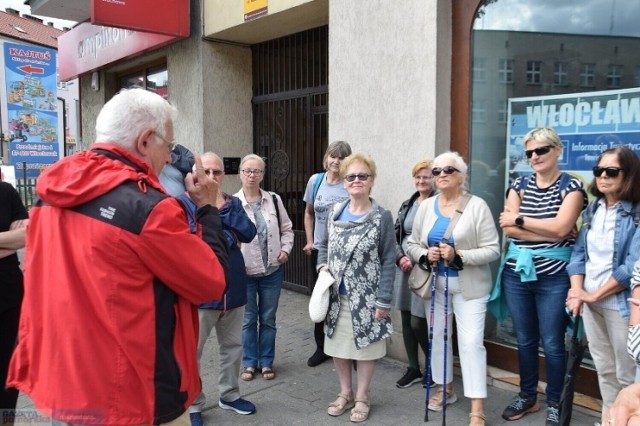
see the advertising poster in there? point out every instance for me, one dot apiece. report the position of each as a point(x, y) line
point(587, 123)
point(254, 9)
point(32, 105)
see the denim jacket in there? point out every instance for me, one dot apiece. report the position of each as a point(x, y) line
point(626, 249)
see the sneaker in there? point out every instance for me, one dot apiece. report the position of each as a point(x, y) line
point(519, 407)
point(240, 406)
point(435, 403)
point(317, 358)
point(410, 377)
point(432, 384)
point(553, 414)
point(196, 419)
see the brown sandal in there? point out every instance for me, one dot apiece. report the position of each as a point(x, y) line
point(268, 373)
point(481, 416)
point(359, 416)
point(337, 409)
point(248, 373)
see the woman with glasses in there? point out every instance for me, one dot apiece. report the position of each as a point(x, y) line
point(460, 263)
point(539, 218)
point(264, 258)
point(411, 307)
point(601, 268)
point(358, 249)
point(323, 190)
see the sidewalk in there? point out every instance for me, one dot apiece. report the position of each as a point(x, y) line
point(299, 395)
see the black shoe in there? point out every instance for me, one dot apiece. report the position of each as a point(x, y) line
point(519, 407)
point(410, 377)
point(432, 384)
point(317, 358)
point(553, 414)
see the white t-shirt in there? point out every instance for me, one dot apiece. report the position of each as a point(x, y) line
point(328, 194)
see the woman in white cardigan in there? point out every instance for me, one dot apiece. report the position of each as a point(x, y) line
point(465, 259)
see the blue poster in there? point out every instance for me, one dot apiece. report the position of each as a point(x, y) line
point(587, 123)
point(32, 103)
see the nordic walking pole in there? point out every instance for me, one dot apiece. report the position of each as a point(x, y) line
point(434, 273)
point(446, 338)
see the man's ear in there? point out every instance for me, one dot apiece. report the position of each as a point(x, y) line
point(142, 143)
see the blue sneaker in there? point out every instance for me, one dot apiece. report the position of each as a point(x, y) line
point(240, 406)
point(196, 419)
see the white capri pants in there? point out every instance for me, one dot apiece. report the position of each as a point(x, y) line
point(470, 318)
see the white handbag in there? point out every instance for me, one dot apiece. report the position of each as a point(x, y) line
point(319, 302)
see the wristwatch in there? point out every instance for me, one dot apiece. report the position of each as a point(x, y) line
point(519, 221)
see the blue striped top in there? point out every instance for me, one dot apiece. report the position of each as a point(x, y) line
point(544, 203)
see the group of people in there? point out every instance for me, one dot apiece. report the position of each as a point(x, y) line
point(110, 251)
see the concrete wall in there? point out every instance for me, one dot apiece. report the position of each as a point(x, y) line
point(390, 83)
point(210, 85)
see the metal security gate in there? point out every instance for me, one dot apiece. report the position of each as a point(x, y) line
point(290, 111)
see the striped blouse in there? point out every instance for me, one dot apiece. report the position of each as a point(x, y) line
point(544, 203)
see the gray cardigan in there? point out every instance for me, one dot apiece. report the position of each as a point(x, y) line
point(361, 254)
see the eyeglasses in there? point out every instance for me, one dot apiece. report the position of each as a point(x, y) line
point(170, 146)
point(249, 172)
point(612, 172)
point(214, 172)
point(419, 177)
point(360, 176)
point(539, 151)
point(448, 170)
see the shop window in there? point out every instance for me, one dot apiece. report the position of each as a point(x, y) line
point(154, 78)
point(478, 111)
point(560, 74)
point(502, 110)
point(587, 75)
point(505, 71)
point(614, 76)
point(560, 58)
point(534, 72)
point(479, 70)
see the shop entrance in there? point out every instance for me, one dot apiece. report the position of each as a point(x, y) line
point(290, 127)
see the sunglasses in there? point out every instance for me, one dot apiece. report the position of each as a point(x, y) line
point(360, 176)
point(448, 170)
point(539, 151)
point(612, 172)
point(214, 172)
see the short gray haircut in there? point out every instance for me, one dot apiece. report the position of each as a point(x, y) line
point(210, 154)
point(458, 162)
point(129, 113)
point(252, 157)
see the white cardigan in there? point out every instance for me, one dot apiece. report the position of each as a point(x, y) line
point(476, 240)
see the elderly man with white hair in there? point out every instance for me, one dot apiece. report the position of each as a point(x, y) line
point(108, 331)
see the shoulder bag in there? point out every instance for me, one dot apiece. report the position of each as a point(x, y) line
point(421, 272)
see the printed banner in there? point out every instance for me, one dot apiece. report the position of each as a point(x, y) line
point(32, 105)
point(587, 123)
point(254, 9)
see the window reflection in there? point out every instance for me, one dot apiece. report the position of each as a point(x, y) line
point(154, 79)
point(529, 49)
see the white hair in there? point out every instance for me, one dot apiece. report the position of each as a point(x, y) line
point(252, 157)
point(129, 113)
point(209, 154)
point(459, 164)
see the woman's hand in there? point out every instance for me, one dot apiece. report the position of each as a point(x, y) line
point(380, 314)
point(581, 295)
point(447, 252)
point(405, 264)
point(433, 255)
point(283, 257)
point(626, 408)
point(574, 305)
point(507, 218)
point(308, 248)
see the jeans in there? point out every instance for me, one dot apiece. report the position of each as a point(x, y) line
point(259, 326)
point(538, 312)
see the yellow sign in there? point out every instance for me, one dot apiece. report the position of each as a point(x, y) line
point(255, 8)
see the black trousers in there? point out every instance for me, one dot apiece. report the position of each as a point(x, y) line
point(318, 331)
point(8, 334)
